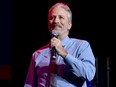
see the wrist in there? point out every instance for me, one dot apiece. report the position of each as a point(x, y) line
point(64, 54)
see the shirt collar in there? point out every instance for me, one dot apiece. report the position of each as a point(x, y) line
point(64, 41)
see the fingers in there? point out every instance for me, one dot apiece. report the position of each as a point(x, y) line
point(54, 41)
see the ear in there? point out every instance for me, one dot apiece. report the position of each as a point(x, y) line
point(69, 25)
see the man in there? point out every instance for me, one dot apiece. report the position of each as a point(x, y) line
point(65, 61)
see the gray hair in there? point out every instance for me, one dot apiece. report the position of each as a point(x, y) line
point(65, 7)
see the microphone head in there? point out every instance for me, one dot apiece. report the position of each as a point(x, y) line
point(54, 33)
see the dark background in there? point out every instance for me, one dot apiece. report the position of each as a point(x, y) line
point(23, 29)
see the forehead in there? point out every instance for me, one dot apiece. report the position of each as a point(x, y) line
point(58, 11)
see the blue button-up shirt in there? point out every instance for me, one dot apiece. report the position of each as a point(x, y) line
point(75, 70)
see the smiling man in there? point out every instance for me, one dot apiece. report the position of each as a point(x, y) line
point(74, 62)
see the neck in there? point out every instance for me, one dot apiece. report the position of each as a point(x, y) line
point(62, 37)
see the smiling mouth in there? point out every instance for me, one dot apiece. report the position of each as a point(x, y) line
point(56, 26)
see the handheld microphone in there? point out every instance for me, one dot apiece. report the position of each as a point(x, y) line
point(54, 33)
point(54, 52)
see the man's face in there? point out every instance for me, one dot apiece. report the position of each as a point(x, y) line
point(58, 20)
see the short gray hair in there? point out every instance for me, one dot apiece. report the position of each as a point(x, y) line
point(65, 7)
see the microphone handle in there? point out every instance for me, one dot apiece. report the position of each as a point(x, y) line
point(54, 53)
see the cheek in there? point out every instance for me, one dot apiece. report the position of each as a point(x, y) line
point(63, 22)
point(49, 23)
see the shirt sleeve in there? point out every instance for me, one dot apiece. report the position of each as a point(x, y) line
point(83, 65)
point(29, 82)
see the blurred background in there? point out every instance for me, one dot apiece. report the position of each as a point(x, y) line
point(23, 29)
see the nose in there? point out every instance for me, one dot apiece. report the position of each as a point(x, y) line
point(56, 20)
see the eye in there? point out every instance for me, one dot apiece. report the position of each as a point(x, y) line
point(52, 18)
point(61, 17)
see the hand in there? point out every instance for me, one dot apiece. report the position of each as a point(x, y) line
point(58, 46)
